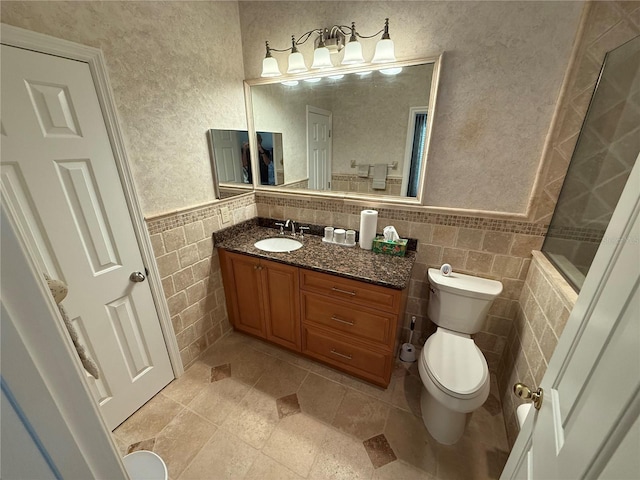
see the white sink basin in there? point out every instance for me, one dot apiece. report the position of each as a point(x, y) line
point(278, 244)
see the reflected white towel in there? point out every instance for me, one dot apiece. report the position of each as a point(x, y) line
point(379, 176)
point(363, 170)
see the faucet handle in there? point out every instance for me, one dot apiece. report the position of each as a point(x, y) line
point(302, 229)
point(281, 225)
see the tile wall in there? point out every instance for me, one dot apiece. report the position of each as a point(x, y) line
point(190, 272)
point(354, 183)
point(490, 248)
point(542, 313)
point(606, 25)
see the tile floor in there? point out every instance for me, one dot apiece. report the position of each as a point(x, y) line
point(250, 410)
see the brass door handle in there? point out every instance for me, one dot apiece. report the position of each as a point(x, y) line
point(525, 393)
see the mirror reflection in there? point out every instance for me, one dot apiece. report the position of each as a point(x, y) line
point(231, 155)
point(361, 133)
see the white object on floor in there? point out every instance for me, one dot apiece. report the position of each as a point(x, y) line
point(145, 465)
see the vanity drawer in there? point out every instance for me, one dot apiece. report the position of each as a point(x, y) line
point(372, 325)
point(369, 364)
point(360, 293)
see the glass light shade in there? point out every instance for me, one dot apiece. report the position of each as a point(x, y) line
point(296, 63)
point(321, 58)
point(289, 83)
point(270, 67)
point(364, 74)
point(391, 71)
point(312, 80)
point(385, 52)
point(336, 77)
point(353, 54)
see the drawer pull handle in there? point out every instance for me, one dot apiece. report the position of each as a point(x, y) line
point(343, 291)
point(346, 322)
point(348, 357)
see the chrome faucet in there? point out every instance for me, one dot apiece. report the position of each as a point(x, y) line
point(293, 226)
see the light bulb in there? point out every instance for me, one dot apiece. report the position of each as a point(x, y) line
point(353, 53)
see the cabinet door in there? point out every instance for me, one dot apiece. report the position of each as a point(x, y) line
point(281, 303)
point(244, 296)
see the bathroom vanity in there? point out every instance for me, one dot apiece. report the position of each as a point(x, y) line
point(341, 306)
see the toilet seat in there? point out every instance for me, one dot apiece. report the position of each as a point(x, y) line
point(455, 364)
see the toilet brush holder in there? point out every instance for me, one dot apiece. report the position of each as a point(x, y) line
point(408, 353)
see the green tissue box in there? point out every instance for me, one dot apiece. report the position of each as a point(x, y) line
point(396, 248)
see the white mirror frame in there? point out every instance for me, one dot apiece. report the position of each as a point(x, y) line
point(378, 199)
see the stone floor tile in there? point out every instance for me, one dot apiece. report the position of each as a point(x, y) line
point(400, 470)
point(327, 372)
point(143, 445)
point(180, 441)
point(296, 441)
point(265, 468)
point(218, 399)
point(379, 451)
point(249, 365)
point(223, 456)
point(147, 422)
point(406, 394)
point(220, 372)
point(288, 405)
point(361, 415)
point(254, 418)
point(281, 379)
point(384, 394)
point(189, 385)
point(341, 457)
point(410, 440)
point(320, 397)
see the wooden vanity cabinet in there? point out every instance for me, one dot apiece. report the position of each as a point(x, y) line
point(262, 298)
point(348, 324)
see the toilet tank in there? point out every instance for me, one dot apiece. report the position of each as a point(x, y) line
point(460, 302)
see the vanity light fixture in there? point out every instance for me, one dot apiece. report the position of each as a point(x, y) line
point(391, 71)
point(336, 77)
point(328, 41)
point(290, 83)
point(312, 80)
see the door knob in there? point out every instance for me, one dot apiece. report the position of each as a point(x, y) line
point(525, 393)
point(137, 277)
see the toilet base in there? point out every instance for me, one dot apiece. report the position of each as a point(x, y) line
point(445, 425)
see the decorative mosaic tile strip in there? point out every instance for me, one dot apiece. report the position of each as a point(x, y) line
point(356, 178)
point(575, 233)
point(480, 223)
point(169, 221)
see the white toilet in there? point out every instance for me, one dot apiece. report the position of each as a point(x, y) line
point(454, 372)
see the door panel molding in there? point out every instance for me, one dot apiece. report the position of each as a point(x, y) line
point(20, 38)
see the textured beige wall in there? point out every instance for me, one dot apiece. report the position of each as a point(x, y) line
point(176, 71)
point(503, 67)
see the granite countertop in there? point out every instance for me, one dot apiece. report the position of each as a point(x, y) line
point(348, 262)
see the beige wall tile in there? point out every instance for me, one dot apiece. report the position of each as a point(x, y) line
point(188, 255)
point(168, 264)
point(183, 279)
point(497, 242)
point(157, 243)
point(177, 303)
point(194, 232)
point(507, 266)
point(444, 236)
point(456, 257)
point(174, 239)
point(469, 238)
point(479, 262)
point(524, 244)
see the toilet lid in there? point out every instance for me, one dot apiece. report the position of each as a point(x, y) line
point(455, 363)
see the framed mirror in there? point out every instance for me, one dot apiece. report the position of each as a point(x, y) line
point(349, 131)
point(231, 160)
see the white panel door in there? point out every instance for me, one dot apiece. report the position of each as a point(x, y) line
point(319, 148)
point(226, 149)
point(59, 176)
point(587, 426)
